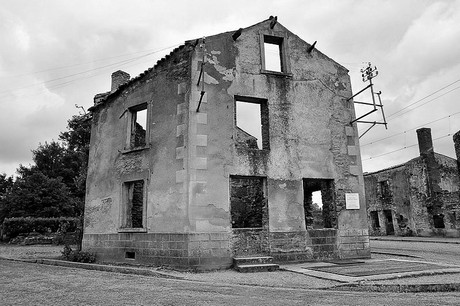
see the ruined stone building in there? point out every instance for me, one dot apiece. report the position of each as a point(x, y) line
point(420, 197)
point(178, 176)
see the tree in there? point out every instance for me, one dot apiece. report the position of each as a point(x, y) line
point(54, 185)
point(37, 195)
point(6, 185)
point(77, 139)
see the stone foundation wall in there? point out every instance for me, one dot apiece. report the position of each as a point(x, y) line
point(203, 251)
point(247, 242)
point(211, 251)
point(291, 246)
point(354, 243)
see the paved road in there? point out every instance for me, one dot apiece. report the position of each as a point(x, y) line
point(437, 252)
point(33, 284)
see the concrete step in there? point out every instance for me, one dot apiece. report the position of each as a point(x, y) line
point(252, 260)
point(254, 264)
point(248, 268)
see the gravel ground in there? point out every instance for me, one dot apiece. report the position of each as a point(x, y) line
point(282, 279)
point(453, 278)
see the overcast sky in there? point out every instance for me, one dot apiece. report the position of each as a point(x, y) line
point(56, 53)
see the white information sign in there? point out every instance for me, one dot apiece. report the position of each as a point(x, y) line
point(352, 200)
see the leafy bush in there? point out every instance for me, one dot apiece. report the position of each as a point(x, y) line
point(77, 256)
point(13, 227)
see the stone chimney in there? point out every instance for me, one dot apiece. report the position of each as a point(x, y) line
point(457, 148)
point(457, 145)
point(425, 142)
point(119, 77)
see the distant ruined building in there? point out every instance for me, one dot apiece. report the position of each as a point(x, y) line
point(178, 176)
point(418, 198)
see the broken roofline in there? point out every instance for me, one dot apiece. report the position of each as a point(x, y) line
point(402, 164)
point(193, 43)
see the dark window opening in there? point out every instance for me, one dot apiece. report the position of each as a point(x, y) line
point(375, 220)
point(273, 54)
point(130, 255)
point(138, 126)
point(251, 116)
point(403, 223)
point(385, 189)
point(134, 204)
point(390, 230)
point(319, 203)
point(248, 205)
point(438, 221)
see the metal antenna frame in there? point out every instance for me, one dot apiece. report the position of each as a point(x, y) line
point(368, 74)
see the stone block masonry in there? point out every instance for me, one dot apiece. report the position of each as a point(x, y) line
point(418, 198)
point(198, 251)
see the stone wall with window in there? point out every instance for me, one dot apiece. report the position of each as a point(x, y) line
point(418, 198)
point(218, 184)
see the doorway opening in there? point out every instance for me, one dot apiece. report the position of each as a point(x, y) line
point(319, 203)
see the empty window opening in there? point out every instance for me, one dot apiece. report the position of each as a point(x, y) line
point(251, 117)
point(385, 189)
point(133, 198)
point(130, 255)
point(389, 228)
point(403, 223)
point(319, 203)
point(248, 206)
point(375, 222)
point(273, 53)
point(438, 221)
point(138, 126)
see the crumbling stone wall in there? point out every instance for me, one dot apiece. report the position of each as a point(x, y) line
point(193, 147)
point(381, 201)
point(420, 190)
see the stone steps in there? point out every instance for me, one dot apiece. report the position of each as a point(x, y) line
point(254, 264)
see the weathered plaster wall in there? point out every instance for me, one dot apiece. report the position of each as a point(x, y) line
point(111, 163)
point(309, 133)
point(193, 153)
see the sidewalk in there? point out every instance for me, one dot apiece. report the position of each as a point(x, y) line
point(417, 239)
point(428, 277)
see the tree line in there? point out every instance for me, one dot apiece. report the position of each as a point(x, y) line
point(54, 185)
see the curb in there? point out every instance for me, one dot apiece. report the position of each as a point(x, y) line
point(398, 288)
point(97, 267)
point(414, 240)
point(395, 254)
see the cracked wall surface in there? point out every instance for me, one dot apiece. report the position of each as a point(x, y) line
point(194, 147)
